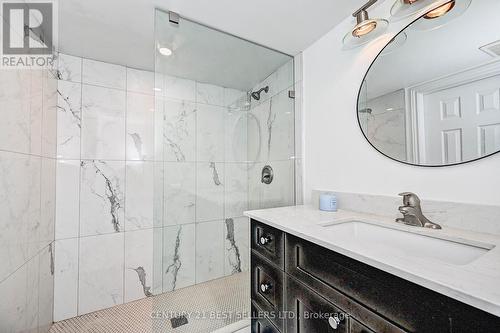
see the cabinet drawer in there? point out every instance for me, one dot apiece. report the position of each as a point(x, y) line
point(370, 297)
point(267, 289)
point(268, 242)
point(260, 323)
point(308, 312)
point(356, 327)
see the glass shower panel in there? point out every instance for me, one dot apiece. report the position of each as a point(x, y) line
point(223, 112)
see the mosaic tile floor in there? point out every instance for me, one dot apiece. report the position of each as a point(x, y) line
point(207, 307)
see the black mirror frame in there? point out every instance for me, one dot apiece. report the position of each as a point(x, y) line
point(384, 154)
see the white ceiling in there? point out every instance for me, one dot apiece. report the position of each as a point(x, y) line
point(122, 31)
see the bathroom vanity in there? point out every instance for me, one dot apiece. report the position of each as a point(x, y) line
point(315, 272)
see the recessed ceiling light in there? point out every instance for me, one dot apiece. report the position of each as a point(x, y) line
point(165, 51)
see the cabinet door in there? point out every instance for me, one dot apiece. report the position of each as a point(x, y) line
point(260, 323)
point(267, 289)
point(269, 242)
point(307, 312)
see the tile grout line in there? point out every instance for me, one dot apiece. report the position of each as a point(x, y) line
point(80, 191)
point(125, 186)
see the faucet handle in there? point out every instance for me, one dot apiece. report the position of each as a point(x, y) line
point(410, 199)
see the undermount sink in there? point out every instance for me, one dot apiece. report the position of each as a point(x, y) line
point(372, 239)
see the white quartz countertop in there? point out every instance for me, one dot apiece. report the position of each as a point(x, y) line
point(476, 283)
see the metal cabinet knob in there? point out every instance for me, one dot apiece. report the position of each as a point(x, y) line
point(264, 240)
point(265, 287)
point(334, 322)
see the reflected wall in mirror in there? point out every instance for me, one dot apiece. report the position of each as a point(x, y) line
point(432, 96)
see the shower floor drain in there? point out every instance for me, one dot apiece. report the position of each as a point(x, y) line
point(178, 321)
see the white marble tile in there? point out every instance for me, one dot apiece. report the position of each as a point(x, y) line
point(179, 193)
point(36, 112)
point(100, 280)
point(237, 245)
point(236, 189)
point(157, 257)
point(69, 119)
point(209, 94)
point(13, 305)
point(159, 124)
point(49, 120)
point(47, 202)
point(279, 80)
point(232, 96)
point(69, 68)
point(276, 119)
point(281, 191)
point(101, 197)
point(236, 134)
point(15, 133)
point(179, 262)
point(210, 133)
point(46, 289)
point(103, 123)
point(138, 264)
point(209, 251)
point(284, 77)
point(179, 131)
point(254, 185)
point(19, 209)
point(139, 197)
point(66, 279)
point(209, 191)
point(32, 293)
point(104, 74)
point(140, 81)
point(178, 88)
point(158, 193)
point(140, 126)
point(386, 130)
point(67, 199)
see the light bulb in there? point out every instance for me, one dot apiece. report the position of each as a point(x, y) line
point(440, 11)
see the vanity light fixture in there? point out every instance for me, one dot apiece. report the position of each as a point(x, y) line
point(440, 11)
point(441, 15)
point(405, 8)
point(366, 29)
point(363, 23)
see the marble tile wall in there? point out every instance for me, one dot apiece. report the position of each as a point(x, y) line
point(27, 198)
point(105, 186)
point(385, 126)
point(271, 139)
point(152, 182)
point(205, 166)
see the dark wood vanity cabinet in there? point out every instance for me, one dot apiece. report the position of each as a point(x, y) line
point(298, 286)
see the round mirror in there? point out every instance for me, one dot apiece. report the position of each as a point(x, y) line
point(432, 96)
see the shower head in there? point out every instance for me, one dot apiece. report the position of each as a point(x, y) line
point(256, 94)
point(366, 110)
